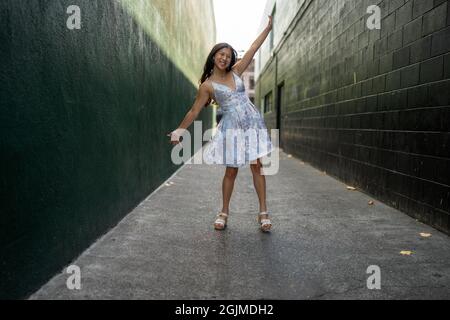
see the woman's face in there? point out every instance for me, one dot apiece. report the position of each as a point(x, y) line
point(223, 58)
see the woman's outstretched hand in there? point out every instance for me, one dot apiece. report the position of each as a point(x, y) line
point(175, 136)
point(269, 24)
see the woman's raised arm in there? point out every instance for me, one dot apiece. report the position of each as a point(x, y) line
point(202, 99)
point(243, 64)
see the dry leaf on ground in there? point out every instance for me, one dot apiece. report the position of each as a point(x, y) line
point(406, 253)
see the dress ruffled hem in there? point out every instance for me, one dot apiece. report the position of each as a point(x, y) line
point(210, 156)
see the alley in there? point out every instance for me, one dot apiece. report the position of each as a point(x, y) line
point(324, 239)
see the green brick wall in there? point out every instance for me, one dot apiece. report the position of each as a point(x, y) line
point(369, 107)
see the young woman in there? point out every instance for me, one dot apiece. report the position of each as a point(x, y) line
point(221, 81)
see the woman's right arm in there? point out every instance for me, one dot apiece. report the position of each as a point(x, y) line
point(203, 97)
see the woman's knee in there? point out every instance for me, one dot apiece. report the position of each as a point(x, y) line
point(231, 173)
point(256, 167)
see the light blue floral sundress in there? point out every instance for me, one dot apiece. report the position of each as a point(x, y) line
point(242, 136)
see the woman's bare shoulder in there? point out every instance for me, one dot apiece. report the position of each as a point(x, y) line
point(207, 85)
point(207, 82)
point(237, 70)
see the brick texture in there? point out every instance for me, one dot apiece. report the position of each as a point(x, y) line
point(370, 107)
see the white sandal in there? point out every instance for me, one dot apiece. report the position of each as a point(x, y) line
point(221, 222)
point(266, 224)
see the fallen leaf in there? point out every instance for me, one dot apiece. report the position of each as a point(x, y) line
point(289, 155)
point(167, 184)
point(351, 188)
point(405, 253)
point(425, 235)
point(371, 203)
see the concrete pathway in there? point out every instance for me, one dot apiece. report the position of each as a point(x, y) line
point(324, 239)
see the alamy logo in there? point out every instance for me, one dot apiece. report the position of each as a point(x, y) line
point(74, 20)
point(374, 21)
point(374, 281)
point(74, 281)
point(232, 151)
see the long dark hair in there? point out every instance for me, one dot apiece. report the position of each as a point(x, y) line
point(209, 65)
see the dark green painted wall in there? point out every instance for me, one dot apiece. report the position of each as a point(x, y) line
point(84, 116)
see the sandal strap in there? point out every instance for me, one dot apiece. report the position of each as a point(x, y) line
point(221, 218)
point(266, 221)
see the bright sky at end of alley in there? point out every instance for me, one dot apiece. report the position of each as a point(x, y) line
point(238, 21)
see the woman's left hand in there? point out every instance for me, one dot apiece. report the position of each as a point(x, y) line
point(269, 24)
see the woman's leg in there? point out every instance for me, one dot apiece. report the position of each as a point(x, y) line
point(259, 181)
point(227, 187)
